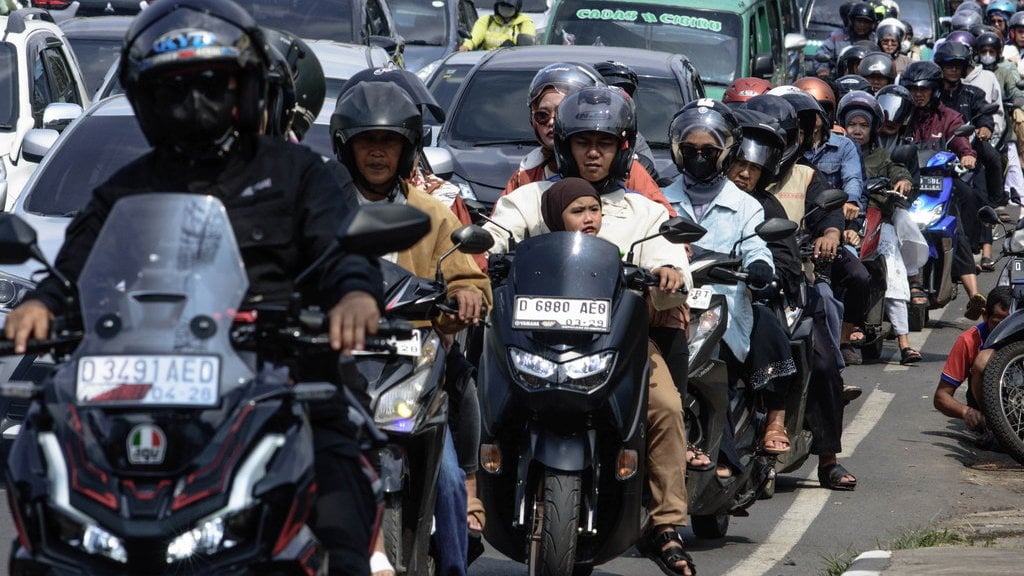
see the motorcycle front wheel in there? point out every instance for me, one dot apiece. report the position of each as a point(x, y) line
point(1003, 398)
point(556, 517)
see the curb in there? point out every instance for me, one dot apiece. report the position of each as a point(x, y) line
point(869, 563)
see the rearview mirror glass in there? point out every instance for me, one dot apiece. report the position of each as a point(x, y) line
point(17, 240)
point(681, 230)
point(472, 239)
point(831, 199)
point(988, 215)
point(775, 229)
point(380, 229)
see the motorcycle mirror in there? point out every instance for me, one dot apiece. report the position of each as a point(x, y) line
point(823, 58)
point(990, 108)
point(17, 240)
point(964, 130)
point(380, 229)
point(988, 215)
point(680, 230)
point(775, 229)
point(472, 239)
point(830, 200)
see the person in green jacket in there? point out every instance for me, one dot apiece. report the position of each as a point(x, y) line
point(508, 26)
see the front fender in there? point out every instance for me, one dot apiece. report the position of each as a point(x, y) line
point(557, 452)
point(1009, 330)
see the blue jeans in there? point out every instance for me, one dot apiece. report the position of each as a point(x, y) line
point(451, 535)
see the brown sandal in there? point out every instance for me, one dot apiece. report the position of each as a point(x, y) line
point(775, 433)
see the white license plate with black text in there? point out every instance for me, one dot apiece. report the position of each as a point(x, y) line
point(699, 298)
point(165, 380)
point(931, 182)
point(546, 313)
point(409, 347)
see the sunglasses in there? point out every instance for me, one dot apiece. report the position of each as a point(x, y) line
point(707, 152)
point(542, 116)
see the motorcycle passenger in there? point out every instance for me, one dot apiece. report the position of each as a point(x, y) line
point(1016, 37)
point(879, 70)
point(891, 33)
point(824, 94)
point(997, 15)
point(201, 111)
point(859, 25)
point(548, 88)
point(989, 46)
point(849, 83)
point(619, 75)
point(742, 89)
point(508, 26)
point(379, 144)
point(797, 186)
point(967, 361)
point(593, 139)
point(930, 125)
point(897, 106)
point(705, 137)
point(862, 116)
point(850, 57)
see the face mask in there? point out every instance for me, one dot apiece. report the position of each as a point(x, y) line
point(198, 125)
point(700, 168)
point(905, 46)
point(988, 59)
point(506, 11)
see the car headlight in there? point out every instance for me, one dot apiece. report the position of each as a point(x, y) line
point(925, 218)
point(88, 537)
point(12, 291)
point(398, 407)
point(706, 324)
point(586, 372)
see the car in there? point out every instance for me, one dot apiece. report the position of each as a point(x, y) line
point(487, 131)
point(444, 77)
point(431, 29)
point(97, 44)
point(92, 7)
point(347, 21)
point(821, 18)
point(41, 91)
point(725, 39)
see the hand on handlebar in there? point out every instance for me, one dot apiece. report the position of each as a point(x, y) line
point(470, 306)
point(968, 162)
point(983, 134)
point(669, 278)
point(827, 245)
point(851, 237)
point(351, 319)
point(903, 187)
point(851, 210)
point(29, 320)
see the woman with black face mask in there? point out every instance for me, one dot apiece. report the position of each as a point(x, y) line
point(508, 26)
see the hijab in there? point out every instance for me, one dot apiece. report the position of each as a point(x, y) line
point(557, 198)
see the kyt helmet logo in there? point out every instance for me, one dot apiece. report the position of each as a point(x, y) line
point(147, 444)
point(182, 39)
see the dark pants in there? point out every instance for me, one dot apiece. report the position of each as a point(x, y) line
point(824, 397)
point(963, 256)
point(992, 162)
point(851, 282)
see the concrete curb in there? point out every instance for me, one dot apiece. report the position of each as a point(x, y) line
point(870, 563)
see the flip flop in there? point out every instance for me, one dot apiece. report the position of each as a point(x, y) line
point(831, 477)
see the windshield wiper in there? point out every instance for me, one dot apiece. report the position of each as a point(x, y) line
point(421, 43)
point(823, 23)
point(505, 142)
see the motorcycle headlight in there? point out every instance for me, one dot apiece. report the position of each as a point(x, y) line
point(925, 218)
point(397, 408)
point(88, 537)
point(589, 371)
point(532, 369)
point(706, 324)
point(12, 291)
point(1017, 242)
point(584, 373)
point(214, 535)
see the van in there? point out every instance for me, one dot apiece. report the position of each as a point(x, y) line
point(725, 39)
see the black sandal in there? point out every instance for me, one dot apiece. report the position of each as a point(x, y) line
point(697, 453)
point(651, 546)
point(831, 477)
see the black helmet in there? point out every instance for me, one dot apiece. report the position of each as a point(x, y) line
point(860, 101)
point(310, 84)
point(923, 74)
point(851, 82)
point(861, 11)
point(715, 118)
point(955, 53)
point(808, 111)
point(376, 106)
point(895, 103)
point(762, 144)
point(877, 63)
point(965, 20)
point(618, 74)
point(990, 40)
point(564, 77)
point(850, 57)
point(211, 42)
point(406, 80)
point(281, 83)
point(970, 6)
point(777, 107)
point(515, 7)
point(596, 109)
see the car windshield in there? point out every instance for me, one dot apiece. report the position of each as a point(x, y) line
point(66, 183)
point(310, 19)
point(422, 21)
point(446, 83)
point(919, 14)
point(493, 109)
point(8, 87)
point(95, 58)
point(711, 39)
point(534, 5)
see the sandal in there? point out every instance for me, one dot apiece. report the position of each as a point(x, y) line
point(475, 509)
point(917, 294)
point(831, 477)
point(653, 546)
point(987, 265)
point(909, 356)
point(697, 455)
point(775, 433)
point(857, 337)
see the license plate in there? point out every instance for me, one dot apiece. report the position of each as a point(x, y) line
point(699, 298)
point(165, 380)
point(931, 183)
point(575, 314)
point(409, 347)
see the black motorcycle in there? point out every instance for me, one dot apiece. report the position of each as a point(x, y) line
point(405, 392)
point(563, 393)
point(158, 447)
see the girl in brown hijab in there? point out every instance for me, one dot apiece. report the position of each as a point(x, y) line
point(572, 205)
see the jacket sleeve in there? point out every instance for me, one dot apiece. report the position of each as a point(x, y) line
point(659, 252)
point(524, 25)
point(459, 269)
point(895, 171)
point(516, 213)
point(977, 103)
point(754, 248)
point(853, 174)
point(476, 37)
point(820, 221)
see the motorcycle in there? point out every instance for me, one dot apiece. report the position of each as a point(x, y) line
point(159, 445)
point(405, 393)
point(563, 394)
point(881, 205)
point(1003, 382)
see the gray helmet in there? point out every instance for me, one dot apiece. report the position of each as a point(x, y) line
point(710, 116)
point(763, 142)
point(596, 109)
point(564, 77)
point(895, 103)
point(862, 102)
point(877, 63)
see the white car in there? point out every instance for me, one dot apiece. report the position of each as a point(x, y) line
point(41, 91)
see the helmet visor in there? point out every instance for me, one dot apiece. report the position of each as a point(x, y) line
point(758, 152)
point(894, 108)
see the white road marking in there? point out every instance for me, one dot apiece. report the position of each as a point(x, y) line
point(809, 503)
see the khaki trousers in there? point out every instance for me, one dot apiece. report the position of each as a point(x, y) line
point(666, 446)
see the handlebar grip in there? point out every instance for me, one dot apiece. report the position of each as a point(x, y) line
point(393, 329)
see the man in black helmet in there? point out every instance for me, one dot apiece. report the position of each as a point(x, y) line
point(861, 26)
point(195, 72)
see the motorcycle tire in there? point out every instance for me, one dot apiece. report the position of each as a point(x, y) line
point(1003, 398)
point(391, 526)
point(710, 527)
point(555, 554)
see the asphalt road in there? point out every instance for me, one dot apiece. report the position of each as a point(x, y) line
point(914, 466)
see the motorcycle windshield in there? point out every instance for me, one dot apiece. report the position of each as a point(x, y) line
point(567, 264)
point(158, 294)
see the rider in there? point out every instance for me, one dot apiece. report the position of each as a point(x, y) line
point(508, 26)
point(622, 76)
point(879, 69)
point(860, 26)
point(891, 33)
point(594, 133)
point(742, 89)
point(201, 110)
point(989, 46)
point(548, 88)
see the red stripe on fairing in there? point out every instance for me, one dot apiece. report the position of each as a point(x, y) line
point(225, 464)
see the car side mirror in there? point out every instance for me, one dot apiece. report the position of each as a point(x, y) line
point(763, 66)
point(775, 229)
point(680, 230)
point(18, 242)
point(830, 200)
point(59, 115)
point(37, 143)
point(377, 230)
point(472, 239)
point(795, 41)
point(439, 160)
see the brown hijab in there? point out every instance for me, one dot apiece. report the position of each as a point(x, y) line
point(557, 198)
